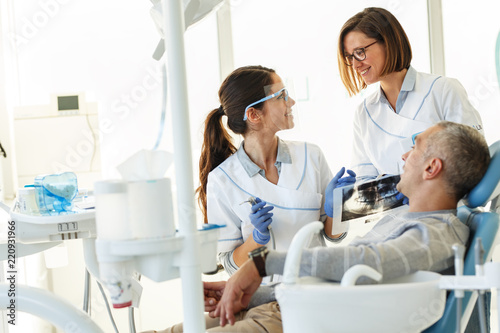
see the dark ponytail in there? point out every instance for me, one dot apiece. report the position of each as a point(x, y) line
point(217, 146)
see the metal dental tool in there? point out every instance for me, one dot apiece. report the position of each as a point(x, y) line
point(252, 202)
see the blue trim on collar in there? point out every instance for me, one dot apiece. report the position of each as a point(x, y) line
point(253, 195)
point(423, 100)
point(230, 239)
point(305, 166)
point(380, 127)
point(361, 164)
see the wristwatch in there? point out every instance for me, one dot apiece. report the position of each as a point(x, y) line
point(259, 258)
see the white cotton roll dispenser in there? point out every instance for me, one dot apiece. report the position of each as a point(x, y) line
point(150, 208)
point(149, 193)
point(113, 224)
point(137, 207)
point(112, 216)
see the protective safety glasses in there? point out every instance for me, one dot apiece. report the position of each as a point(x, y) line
point(414, 136)
point(282, 93)
point(359, 54)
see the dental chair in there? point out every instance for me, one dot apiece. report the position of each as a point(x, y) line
point(317, 299)
point(484, 225)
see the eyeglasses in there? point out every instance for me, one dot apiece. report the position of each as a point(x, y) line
point(279, 93)
point(359, 54)
point(414, 136)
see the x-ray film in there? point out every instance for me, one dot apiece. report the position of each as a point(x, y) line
point(364, 201)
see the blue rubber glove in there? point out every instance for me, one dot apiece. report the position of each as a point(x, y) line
point(400, 196)
point(337, 181)
point(261, 219)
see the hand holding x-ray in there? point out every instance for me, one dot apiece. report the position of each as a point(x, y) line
point(365, 200)
point(336, 182)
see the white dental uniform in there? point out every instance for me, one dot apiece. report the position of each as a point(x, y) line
point(382, 135)
point(297, 198)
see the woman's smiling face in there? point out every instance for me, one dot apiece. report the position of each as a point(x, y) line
point(371, 67)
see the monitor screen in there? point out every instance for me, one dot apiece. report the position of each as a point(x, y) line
point(67, 103)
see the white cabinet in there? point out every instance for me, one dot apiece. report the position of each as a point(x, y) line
point(58, 137)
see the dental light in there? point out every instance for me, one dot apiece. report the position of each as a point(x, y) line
point(194, 11)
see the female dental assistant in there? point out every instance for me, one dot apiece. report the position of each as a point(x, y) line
point(289, 177)
point(373, 47)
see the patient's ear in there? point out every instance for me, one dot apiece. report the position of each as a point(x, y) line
point(434, 168)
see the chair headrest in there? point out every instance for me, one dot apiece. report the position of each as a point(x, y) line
point(489, 187)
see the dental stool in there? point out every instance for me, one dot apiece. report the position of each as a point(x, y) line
point(309, 304)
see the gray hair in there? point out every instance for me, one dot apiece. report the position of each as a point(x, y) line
point(464, 153)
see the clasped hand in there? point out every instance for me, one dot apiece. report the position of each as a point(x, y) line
point(213, 292)
point(235, 293)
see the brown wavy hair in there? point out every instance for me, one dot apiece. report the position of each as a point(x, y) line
point(381, 25)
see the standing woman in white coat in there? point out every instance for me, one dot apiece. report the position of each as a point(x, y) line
point(287, 178)
point(373, 47)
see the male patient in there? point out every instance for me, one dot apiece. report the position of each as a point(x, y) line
point(445, 163)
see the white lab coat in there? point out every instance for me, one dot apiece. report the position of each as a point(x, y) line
point(382, 136)
point(297, 198)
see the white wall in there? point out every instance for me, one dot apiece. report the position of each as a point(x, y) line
point(8, 94)
point(104, 48)
point(299, 40)
point(470, 56)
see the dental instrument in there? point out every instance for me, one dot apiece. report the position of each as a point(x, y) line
point(252, 202)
